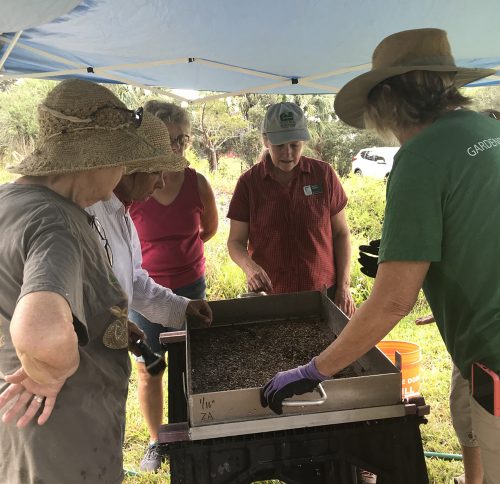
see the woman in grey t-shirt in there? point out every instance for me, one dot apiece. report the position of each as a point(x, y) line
point(64, 365)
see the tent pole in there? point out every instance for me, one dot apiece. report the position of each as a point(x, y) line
point(138, 65)
point(324, 87)
point(241, 70)
point(104, 71)
point(252, 90)
point(336, 72)
point(44, 75)
point(78, 67)
point(57, 58)
point(7, 52)
point(125, 80)
point(63, 60)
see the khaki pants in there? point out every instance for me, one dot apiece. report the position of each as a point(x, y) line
point(460, 409)
point(487, 430)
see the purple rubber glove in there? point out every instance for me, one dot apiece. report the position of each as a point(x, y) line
point(285, 384)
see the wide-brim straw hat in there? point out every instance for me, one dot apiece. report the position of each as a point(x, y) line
point(411, 50)
point(84, 126)
point(155, 133)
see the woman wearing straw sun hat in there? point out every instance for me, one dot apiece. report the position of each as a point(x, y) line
point(154, 301)
point(139, 182)
point(173, 225)
point(64, 364)
point(442, 219)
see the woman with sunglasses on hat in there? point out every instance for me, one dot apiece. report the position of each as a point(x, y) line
point(140, 181)
point(442, 218)
point(173, 225)
point(288, 227)
point(64, 365)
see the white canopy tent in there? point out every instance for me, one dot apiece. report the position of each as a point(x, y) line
point(231, 46)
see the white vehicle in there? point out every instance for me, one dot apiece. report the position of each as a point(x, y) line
point(375, 162)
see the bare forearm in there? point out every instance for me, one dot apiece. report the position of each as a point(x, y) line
point(44, 338)
point(239, 254)
point(394, 293)
point(209, 223)
point(47, 374)
point(366, 328)
point(342, 255)
point(207, 234)
point(209, 217)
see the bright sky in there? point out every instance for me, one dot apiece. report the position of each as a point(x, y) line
point(187, 93)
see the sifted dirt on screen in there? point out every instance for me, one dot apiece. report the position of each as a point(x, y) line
point(248, 355)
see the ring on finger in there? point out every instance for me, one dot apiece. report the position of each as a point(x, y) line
point(38, 399)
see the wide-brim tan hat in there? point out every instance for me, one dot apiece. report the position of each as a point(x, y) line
point(402, 52)
point(155, 133)
point(84, 126)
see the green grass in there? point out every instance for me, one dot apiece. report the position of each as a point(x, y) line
point(226, 280)
point(137, 438)
point(437, 434)
point(6, 177)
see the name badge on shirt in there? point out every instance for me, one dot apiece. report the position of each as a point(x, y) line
point(313, 189)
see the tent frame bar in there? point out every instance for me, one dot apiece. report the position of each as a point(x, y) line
point(79, 68)
point(103, 71)
point(55, 57)
point(12, 43)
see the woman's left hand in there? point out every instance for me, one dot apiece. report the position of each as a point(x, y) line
point(200, 310)
point(343, 299)
point(29, 397)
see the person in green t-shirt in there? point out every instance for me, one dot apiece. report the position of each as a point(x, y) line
point(459, 392)
point(442, 220)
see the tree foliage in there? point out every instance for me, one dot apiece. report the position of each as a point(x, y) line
point(331, 140)
point(220, 127)
point(336, 143)
point(215, 125)
point(253, 108)
point(18, 119)
point(483, 97)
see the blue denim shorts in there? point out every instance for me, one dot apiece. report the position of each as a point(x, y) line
point(196, 290)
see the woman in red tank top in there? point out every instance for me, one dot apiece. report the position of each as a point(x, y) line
point(171, 242)
point(172, 226)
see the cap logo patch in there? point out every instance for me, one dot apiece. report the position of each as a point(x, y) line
point(286, 120)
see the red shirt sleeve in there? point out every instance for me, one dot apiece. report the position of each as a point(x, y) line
point(239, 207)
point(338, 197)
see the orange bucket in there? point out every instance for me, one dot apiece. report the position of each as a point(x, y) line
point(411, 360)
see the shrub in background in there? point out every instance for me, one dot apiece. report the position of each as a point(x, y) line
point(225, 280)
point(365, 214)
point(365, 209)
point(18, 117)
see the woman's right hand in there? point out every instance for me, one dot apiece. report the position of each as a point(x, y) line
point(29, 397)
point(257, 279)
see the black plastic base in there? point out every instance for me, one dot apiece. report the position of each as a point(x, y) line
point(177, 406)
point(390, 448)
